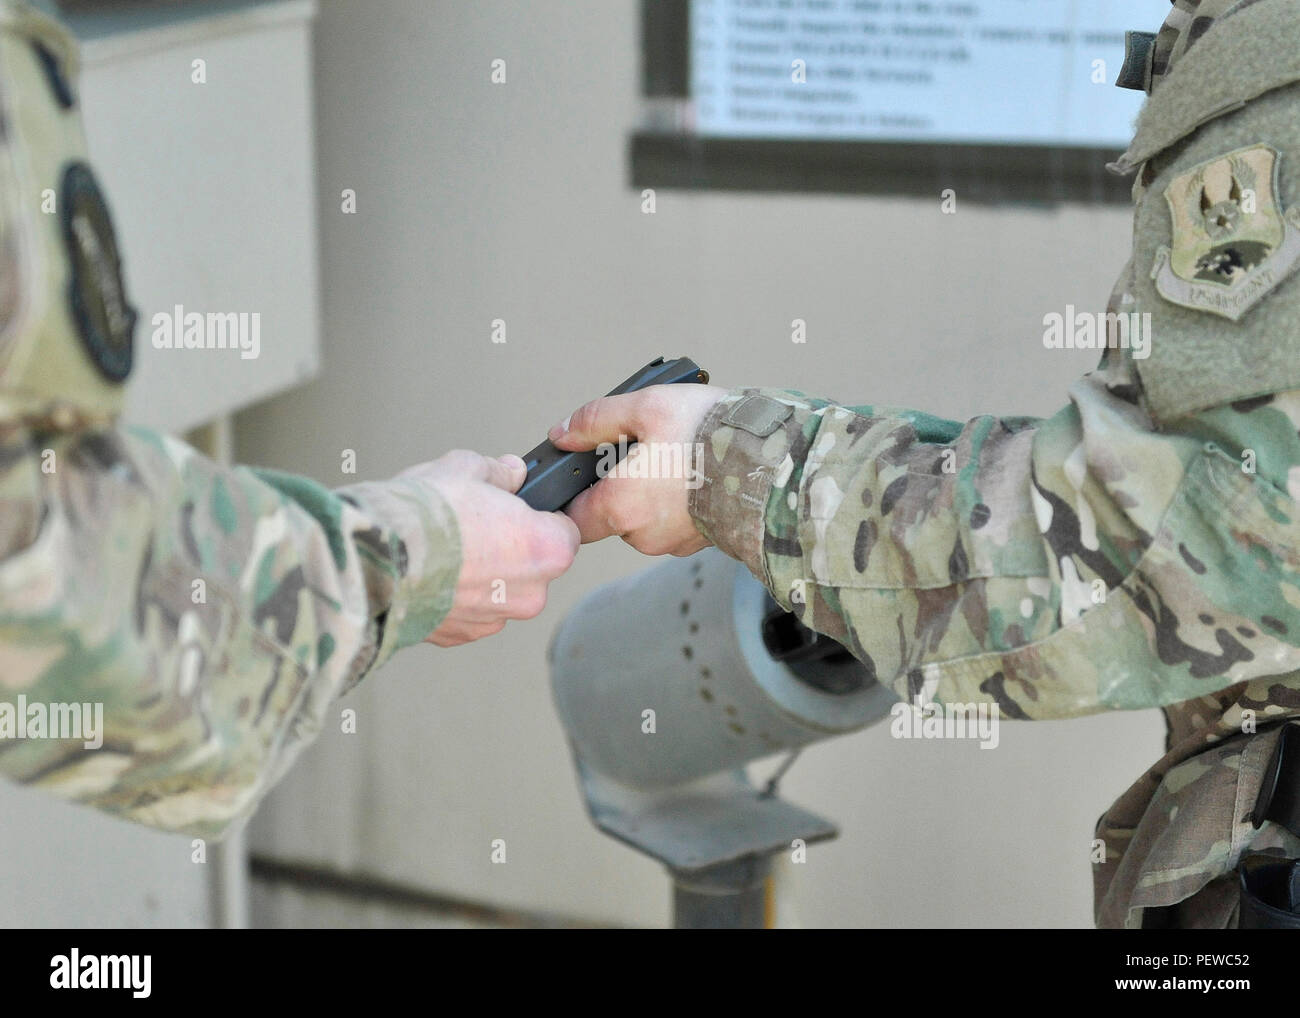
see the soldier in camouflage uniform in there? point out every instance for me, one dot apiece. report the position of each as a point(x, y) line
point(1140, 548)
point(216, 614)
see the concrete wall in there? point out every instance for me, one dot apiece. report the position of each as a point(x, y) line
point(481, 201)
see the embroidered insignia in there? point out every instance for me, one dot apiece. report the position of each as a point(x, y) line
point(1231, 243)
point(105, 321)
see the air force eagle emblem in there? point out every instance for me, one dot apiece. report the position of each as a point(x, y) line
point(1231, 242)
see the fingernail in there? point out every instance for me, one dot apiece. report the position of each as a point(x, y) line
point(559, 429)
point(511, 460)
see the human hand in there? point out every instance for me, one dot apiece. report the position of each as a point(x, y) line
point(507, 549)
point(637, 502)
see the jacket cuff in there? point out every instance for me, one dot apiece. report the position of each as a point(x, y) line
point(412, 560)
point(747, 444)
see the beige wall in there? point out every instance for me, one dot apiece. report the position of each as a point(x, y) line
point(481, 201)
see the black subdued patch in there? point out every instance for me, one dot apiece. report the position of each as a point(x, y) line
point(96, 294)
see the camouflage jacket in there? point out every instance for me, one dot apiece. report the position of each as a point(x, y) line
point(1141, 547)
point(214, 614)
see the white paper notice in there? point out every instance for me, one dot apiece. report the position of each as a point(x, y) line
point(1021, 72)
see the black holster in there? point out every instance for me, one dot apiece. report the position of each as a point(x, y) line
point(1270, 887)
point(1270, 894)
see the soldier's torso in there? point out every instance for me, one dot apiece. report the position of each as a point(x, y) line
point(1216, 159)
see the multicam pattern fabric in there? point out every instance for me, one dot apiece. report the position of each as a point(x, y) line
point(1088, 561)
point(1054, 567)
point(216, 614)
point(1186, 23)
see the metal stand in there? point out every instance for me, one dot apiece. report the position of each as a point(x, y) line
point(716, 835)
point(729, 896)
point(669, 684)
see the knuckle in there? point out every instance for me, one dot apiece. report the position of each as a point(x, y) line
point(531, 604)
point(564, 549)
point(552, 550)
point(653, 405)
point(461, 458)
point(450, 638)
point(623, 514)
point(584, 418)
point(652, 545)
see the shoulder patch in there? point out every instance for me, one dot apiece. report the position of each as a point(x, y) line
point(105, 321)
point(1231, 243)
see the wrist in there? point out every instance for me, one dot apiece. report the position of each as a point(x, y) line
point(413, 561)
point(747, 441)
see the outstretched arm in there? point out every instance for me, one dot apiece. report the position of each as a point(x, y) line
point(1054, 567)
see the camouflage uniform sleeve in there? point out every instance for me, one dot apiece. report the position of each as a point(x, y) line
point(192, 624)
point(1053, 567)
point(1139, 548)
point(215, 614)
